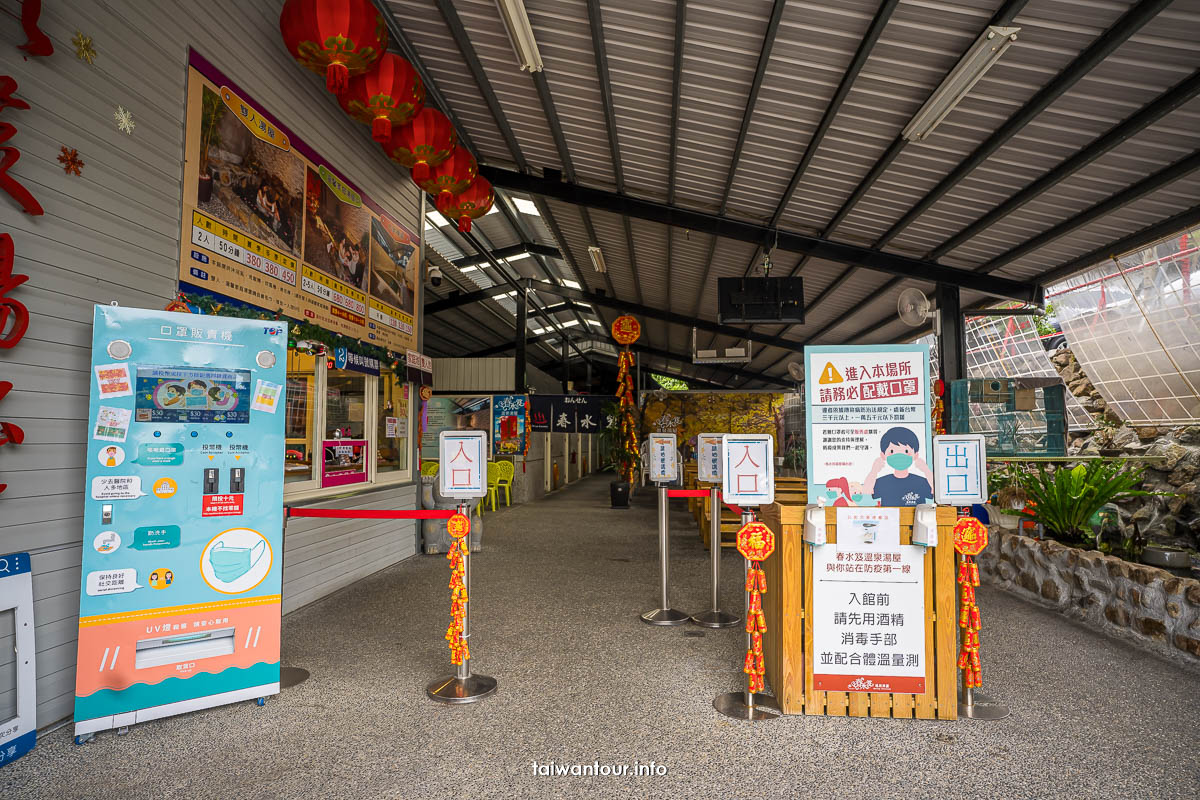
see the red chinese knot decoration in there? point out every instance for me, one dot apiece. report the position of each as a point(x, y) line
point(970, 539)
point(458, 601)
point(626, 330)
point(471, 204)
point(389, 94)
point(756, 542)
point(458, 526)
point(336, 38)
point(423, 143)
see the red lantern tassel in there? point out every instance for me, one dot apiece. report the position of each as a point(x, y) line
point(420, 171)
point(381, 129)
point(444, 199)
point(464, 224)
point(337, 78)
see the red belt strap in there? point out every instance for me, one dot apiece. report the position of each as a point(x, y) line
point(687, 492)
point(351, 513)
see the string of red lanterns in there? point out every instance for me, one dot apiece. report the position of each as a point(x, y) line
point(346, 40)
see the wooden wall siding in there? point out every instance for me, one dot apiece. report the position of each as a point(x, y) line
point(112, 234)
point(788, 641)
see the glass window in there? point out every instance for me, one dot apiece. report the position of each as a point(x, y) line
point(345, 437)
point(392, 425)
point(299, 420)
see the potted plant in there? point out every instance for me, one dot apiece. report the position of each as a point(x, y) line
point(620, 457)
point(1065, 500)
point(212, 108)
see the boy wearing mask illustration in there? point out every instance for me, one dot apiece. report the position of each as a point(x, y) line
point(898, 452)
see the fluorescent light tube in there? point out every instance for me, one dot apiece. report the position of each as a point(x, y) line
point(985, 52)
point(520, 33)
point(597, 258)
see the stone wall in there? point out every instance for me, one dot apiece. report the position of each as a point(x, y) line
point(1145, 605)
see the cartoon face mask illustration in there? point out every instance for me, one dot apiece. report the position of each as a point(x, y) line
point(231, 563)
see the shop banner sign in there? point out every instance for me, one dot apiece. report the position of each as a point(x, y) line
point(419, 368)
point(960, 467)
point(267, 221)
point(664, 458)
point(454, 413)
point(463, 457)
point(748, 476)
point(708, 457)
point(869, 607)
point(867, 414)
point(567, 413)
point(508, 424)
point(179, 603)
point(18, 734)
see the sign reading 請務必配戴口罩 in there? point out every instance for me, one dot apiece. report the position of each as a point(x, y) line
point(867, 415)
point(868, 609)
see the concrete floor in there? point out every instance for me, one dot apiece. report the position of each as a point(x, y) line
point(557, 593)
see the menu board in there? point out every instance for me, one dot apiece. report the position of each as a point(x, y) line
point(269, 222)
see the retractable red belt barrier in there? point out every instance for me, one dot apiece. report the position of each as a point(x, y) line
point(350, 513)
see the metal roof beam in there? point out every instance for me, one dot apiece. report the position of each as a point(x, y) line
point(530, 248)
point(746, 231)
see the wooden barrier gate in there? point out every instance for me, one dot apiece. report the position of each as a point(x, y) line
point(788, 643)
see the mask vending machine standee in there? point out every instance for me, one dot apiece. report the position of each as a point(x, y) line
point(179, 605)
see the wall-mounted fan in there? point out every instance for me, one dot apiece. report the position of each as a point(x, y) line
point(915, 309)
point(796, 371)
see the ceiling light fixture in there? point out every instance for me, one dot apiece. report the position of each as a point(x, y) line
point(520, 33)
point(597, 259)
point(984, 53)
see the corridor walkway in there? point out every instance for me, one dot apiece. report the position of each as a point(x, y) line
point(557, 593)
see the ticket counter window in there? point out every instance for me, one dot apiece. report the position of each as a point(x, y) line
point(392, 422)
point(345, 443)
point(299, 419)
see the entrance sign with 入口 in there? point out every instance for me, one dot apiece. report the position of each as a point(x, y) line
point(463, 456)
point(960, 469)
point(867, 413)
point(708, 457)
point(869, 607)
point(748, 476)
point(664, 459)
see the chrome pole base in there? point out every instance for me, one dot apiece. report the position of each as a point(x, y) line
point(716, 619)
point(733, 704)
point(292, 676)
point(974, 704)
point(665, 616)
point(453, 689)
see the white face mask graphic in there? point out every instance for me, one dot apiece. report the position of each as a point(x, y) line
point(231, 563)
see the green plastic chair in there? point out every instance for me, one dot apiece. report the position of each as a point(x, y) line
point(429, 468)
point(506, 471)
point(493, 483)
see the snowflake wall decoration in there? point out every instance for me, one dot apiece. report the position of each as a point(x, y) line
point(83, 47)
point(72, 163)
point(124, 120)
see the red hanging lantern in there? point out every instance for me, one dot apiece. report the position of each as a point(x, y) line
point(449, 178)
point(337, 38)
point(425, 142)
point(389, 94)
point(475, 201)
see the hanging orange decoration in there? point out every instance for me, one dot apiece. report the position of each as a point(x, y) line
point(756, 543)
point(458, 526)
point(334, 38)
point(426, 392)
point(471, 204)
point(449, 178)
point(970, 539)
point(626, 330)
point(627, 433)
point(390, 93)
point(458, 603)
point(426, 141)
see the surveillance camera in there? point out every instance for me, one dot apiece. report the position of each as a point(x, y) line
point(435, 275)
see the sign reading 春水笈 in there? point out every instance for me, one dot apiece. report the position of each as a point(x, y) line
point(869, 607)
point(867, 412)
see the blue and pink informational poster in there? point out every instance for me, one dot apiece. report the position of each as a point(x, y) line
point(867, 412)
point(179, 603)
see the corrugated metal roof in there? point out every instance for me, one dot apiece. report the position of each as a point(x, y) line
point(812, 49)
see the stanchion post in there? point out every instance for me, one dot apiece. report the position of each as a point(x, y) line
point(716, 618)
point(664, 614)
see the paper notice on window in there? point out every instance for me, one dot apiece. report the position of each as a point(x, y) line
point(266, 396)
point(112, 380)
point(395, 427)
point(112, 424)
